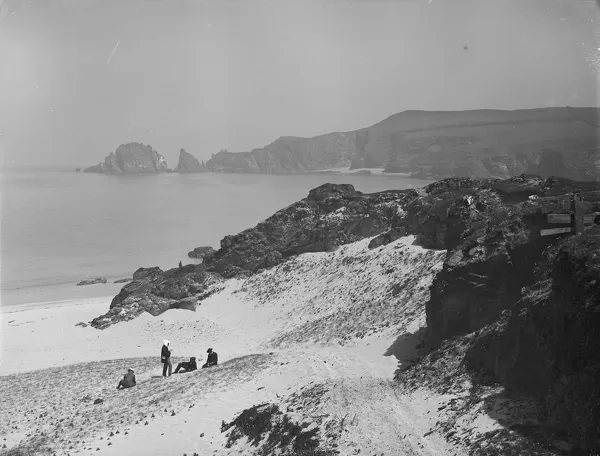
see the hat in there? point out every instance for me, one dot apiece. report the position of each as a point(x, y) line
point(166, 342)
point(130, 370)
point(209, 350)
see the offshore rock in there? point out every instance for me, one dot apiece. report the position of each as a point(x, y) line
point(131, 158)
point(189, 164)
point(92, 281)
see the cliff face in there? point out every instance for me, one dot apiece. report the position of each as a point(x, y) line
point(546, 345)
point(436, 145)
point(512, 307)
point(290, 155)
point(132, 158)
point(189, 164)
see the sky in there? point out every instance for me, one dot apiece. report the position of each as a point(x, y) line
point(80, 77)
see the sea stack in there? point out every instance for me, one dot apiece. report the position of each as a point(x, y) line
point(131, 158)
point(189, 164)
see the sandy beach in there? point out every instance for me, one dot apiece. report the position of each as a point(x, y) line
point(278, 334)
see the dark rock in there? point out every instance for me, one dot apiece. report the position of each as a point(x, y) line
point(98, 401)
point(92, 281)
point(189, 164)
point(387, 237)
point(154, 291)
point(205, 253)
point(131, 158)
point(331, 215)
point(77, 170)
point(547, 345)
point(123, 280)
point(82, 324)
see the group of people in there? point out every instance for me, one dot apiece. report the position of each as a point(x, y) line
point(165, 358)
point(187, 366)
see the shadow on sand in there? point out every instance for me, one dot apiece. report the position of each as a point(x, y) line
point(408, 348)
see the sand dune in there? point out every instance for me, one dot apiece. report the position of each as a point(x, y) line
point(320, 336)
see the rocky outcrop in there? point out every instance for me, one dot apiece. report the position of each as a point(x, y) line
point(123, 280)
point(189, 164)
point(546, 345)
point(132, 158)
point(331, 215)
point(92, 281)
point(155, 291)
point(512, 306)
point(201, 253)
point(436, 145)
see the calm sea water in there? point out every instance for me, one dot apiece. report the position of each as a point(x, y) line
point(62, 227)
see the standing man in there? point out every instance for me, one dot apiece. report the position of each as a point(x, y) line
point(165, 357)
point(212, 359)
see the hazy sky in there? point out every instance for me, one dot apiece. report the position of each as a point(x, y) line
point(237, 74)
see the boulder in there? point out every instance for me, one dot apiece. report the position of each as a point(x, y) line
point(205, 253)
point(155, 291)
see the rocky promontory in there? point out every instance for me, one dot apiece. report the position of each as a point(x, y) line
point(189, 164)
point(131, 158)
point(510, 308)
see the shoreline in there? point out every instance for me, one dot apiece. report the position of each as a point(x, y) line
point(58, 293)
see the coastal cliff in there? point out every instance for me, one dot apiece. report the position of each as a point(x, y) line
point(509, 308)
point(435, 145)
point(189, 164)
point(131, 158)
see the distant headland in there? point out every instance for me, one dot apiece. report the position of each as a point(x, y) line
point(421, 144)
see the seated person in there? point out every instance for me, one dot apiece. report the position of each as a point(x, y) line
point(212, 359)
point(128, 380)
point(187, 366)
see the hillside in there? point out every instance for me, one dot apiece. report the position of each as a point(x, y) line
point(433, 321)
point(481, 143)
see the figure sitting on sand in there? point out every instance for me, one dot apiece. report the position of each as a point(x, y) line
point(128, 380)
point(212, 359)
point(165, 358)
point(187, 366)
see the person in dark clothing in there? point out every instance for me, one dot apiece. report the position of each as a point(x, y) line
point(187, 366)
point(180, 265)
point(165, 357)
point(128, 380)
point(212, 359)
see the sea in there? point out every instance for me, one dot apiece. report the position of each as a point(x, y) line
point(60, 227)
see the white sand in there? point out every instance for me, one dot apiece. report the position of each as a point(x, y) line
point(329, 318)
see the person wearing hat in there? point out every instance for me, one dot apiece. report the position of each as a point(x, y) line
point(187, 366)
point(212, 359)
point(165, 358)
point(128, 380)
